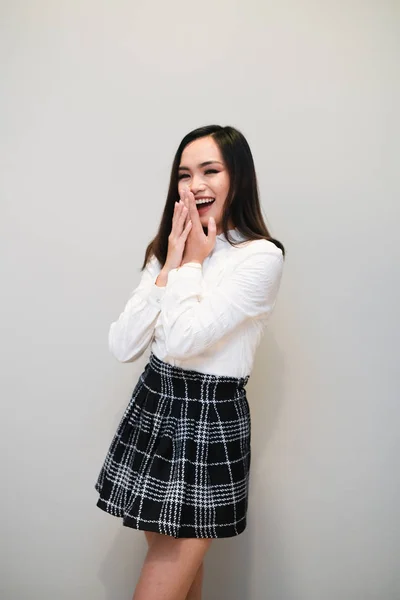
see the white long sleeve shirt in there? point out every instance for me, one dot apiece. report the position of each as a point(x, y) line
point(207, 318)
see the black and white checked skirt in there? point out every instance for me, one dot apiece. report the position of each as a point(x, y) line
point(179, 462)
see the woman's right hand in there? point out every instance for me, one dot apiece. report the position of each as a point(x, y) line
point(181, 226)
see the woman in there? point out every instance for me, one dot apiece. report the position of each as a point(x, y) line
point(178, 466)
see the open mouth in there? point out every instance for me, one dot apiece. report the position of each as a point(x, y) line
point(204, 204)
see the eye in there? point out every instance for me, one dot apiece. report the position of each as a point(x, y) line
point(182, 176)
point(211, 171)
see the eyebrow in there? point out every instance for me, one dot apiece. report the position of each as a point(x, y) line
point(203, 164)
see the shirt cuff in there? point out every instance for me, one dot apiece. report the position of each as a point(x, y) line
point(184, 277)
point(156, 295)
point(196, 265)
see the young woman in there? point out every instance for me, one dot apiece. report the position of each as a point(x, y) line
point(179, 464)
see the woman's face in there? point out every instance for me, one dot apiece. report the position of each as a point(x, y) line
point(203, 170)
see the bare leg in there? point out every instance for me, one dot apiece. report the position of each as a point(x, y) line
point(150, 536)
point(197, 585)
point(171, 568)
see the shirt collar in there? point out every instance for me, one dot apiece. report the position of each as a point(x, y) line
point(233, 234)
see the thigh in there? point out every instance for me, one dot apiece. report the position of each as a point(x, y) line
point(170, 567)
point(150, 537)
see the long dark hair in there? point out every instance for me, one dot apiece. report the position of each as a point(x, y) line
point(242, 205)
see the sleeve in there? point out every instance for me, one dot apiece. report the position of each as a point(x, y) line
point(192, 324)
point(131, 334)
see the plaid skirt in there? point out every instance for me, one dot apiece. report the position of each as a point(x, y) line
point(179, 462)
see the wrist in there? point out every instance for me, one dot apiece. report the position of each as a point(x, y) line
point(162, 278)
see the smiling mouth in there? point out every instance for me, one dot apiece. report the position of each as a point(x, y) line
point(204, 203)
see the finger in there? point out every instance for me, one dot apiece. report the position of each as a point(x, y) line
point(187, 229)
point(194, 213)
point(182, 218)
point(177, 212)
point(187, 216)
point(184, 196)
point(211, 231)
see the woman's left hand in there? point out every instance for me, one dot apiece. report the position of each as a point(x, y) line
point(198, 245)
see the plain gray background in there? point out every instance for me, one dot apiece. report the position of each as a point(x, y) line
point(95, 97)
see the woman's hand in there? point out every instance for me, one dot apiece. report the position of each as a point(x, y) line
point(198, 245)
point(181, 226)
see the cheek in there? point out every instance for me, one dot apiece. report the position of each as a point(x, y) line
point(223, 188)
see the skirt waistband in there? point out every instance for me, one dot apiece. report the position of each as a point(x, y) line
point(165, 369)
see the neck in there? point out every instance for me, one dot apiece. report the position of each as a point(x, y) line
point(230, 226)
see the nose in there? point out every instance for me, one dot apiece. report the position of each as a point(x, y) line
point(197, 184)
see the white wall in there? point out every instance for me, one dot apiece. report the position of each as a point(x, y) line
point(94, 100)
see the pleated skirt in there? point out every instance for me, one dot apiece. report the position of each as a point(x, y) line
point(179, 462)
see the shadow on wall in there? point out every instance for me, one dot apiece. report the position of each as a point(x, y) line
point(231, 563)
